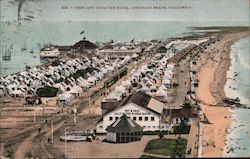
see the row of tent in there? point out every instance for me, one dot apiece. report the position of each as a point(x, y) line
point(153, 79)
point(27, 82)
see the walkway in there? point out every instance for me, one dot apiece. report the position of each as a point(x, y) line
point(191, 149)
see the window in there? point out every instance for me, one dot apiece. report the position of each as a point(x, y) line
point(116, 118)
point(134, 118)
point(144, 126)
point(110, 118)
point(149, 126)
point(152, 118)
point(176, 120)
point(100, 126)
point(146, 118)
point(140, 118)
point(153, 126)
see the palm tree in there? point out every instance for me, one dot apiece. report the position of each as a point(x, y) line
point(182, 127)
point(186, 105)
point(161, 135)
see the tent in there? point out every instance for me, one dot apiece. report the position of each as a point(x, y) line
point(99, 75)
point(92, 80)
point(103, 70)
point(127, 58)
point(64, 98)
point(78, 89)
point(126, 84)
point(60, 86)
point(161, 95)
point(121, 89)
point(135, 55)
point(16, 93)
point(83, 83)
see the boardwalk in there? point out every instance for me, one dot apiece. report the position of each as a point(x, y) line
point(192, 143)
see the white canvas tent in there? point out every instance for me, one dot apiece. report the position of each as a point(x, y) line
point(64, 98)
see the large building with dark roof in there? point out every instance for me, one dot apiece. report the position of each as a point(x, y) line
point(139, 107)
point(124, 130)
point(175, 116)
point(84, 46)
point(162, 50)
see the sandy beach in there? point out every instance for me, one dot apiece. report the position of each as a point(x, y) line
point(214, 64)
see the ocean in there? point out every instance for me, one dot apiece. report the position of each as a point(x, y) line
point(34, 34)
point(238, 138)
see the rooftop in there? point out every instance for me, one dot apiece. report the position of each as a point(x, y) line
point(124, 124)
point(87, 44)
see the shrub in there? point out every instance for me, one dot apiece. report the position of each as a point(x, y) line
point(82, 73)
point(47, 91)
point(181, 130)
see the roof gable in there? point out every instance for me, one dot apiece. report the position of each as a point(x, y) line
point(86, 44)
point(176, 113)
point(139, 99)
point(124, 124)
point(162, 48)
point(142, 100)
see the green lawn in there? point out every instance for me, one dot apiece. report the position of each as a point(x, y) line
point(165, 146)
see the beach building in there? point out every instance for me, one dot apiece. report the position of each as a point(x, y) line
point(49, 52)
point(175, 116)
point(65, 98)
point(119, 52)
point(33, 100)
point(84, 46)
point(124, 130)
point(65, 49)
point(139, 107)
point(161, 50)
point(2, 90)
point(108, 105)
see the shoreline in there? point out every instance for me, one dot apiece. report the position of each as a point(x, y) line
point(234, 143)
point(213, 77)
point(232, 79)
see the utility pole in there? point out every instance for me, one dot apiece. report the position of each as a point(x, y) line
point(65, 142)
point(43, 110)
point(105, 90)
point(34, 117)
point(52, 131)
point(74, 117)
point(89, 103)
point(75, 111)
point(78, 152)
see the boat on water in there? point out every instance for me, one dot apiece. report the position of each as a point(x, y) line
point(232, 101)
point(6, 54)
point(49, 52)
point(235, 103)
point(27, 67)
point(32, 51)
point(24, 47)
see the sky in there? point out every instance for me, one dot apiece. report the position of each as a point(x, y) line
point(89, 10)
